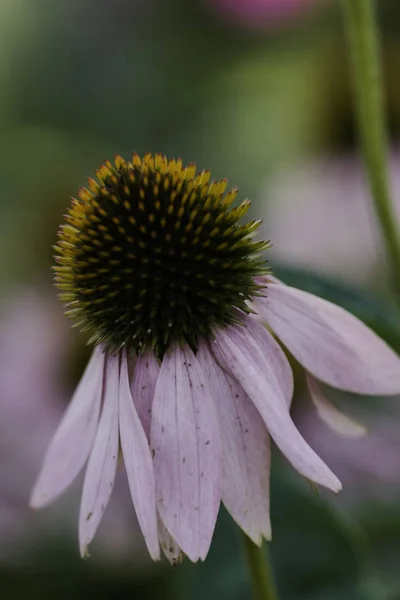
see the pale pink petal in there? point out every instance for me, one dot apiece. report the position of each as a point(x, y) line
point(245, 452)
point(138, 464)
point(102, 465)
point(272, 279)
point(334, 418)
point(170, 548)
point(276, 358)
point(186, 443)
point(330, 343)
point(266, 279)
point(73, 440)
point(144, 381)
point(236, 352)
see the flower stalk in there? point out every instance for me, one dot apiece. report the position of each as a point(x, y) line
point(260, 569)
point(364, 47)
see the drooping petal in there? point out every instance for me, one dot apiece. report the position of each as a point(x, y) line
point(143, 385)
point(138, 464)
point(276, 358)
point(186, 447)
point(334, 418)
point(102, 465)
point(246, 454)
point(330, 343)
point(73, 440)
point(266, 279)
point(170, 548)
point(236, 352)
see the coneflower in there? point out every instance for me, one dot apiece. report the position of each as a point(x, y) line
point(185, 380)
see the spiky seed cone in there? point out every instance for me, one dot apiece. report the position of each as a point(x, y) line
point(153, 253)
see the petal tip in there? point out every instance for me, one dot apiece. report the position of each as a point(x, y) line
point(259, 537)
point(39, 499)
point(34, 501)
point(335, 486)
point(194, 557)
point(267, 536)
point(155, 554)
point(84, 551)
point(337, 421)
point(329, 481)
point(339, 488)
point(358, 432)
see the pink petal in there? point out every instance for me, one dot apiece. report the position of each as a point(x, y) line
point(334, 418)
point(270, 347)
point(185, 438)
point(266, 279)
point(102, 466)
point(330, 343)
point(73, 440)
point(170, 548)
point(138, 464)
point(143, 385)
point(236, 351)
point(245, 452)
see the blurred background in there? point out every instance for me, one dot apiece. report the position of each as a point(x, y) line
point(257, 91)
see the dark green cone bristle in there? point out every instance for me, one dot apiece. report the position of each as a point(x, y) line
point(154, 254)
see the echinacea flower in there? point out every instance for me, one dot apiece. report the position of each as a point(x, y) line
point(185, 382)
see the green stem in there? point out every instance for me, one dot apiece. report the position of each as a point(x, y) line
point(364, 48)
point(261, 574)
point(370, 582)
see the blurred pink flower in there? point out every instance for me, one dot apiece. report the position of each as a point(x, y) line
point(321, 217)
point(31, 399)
point(261, 12)
point(368, 468)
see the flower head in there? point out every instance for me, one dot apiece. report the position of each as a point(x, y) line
point(185, 379)
point(154, 255)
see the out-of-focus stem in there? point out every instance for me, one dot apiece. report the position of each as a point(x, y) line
point(260, 569)
point(364, 49)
